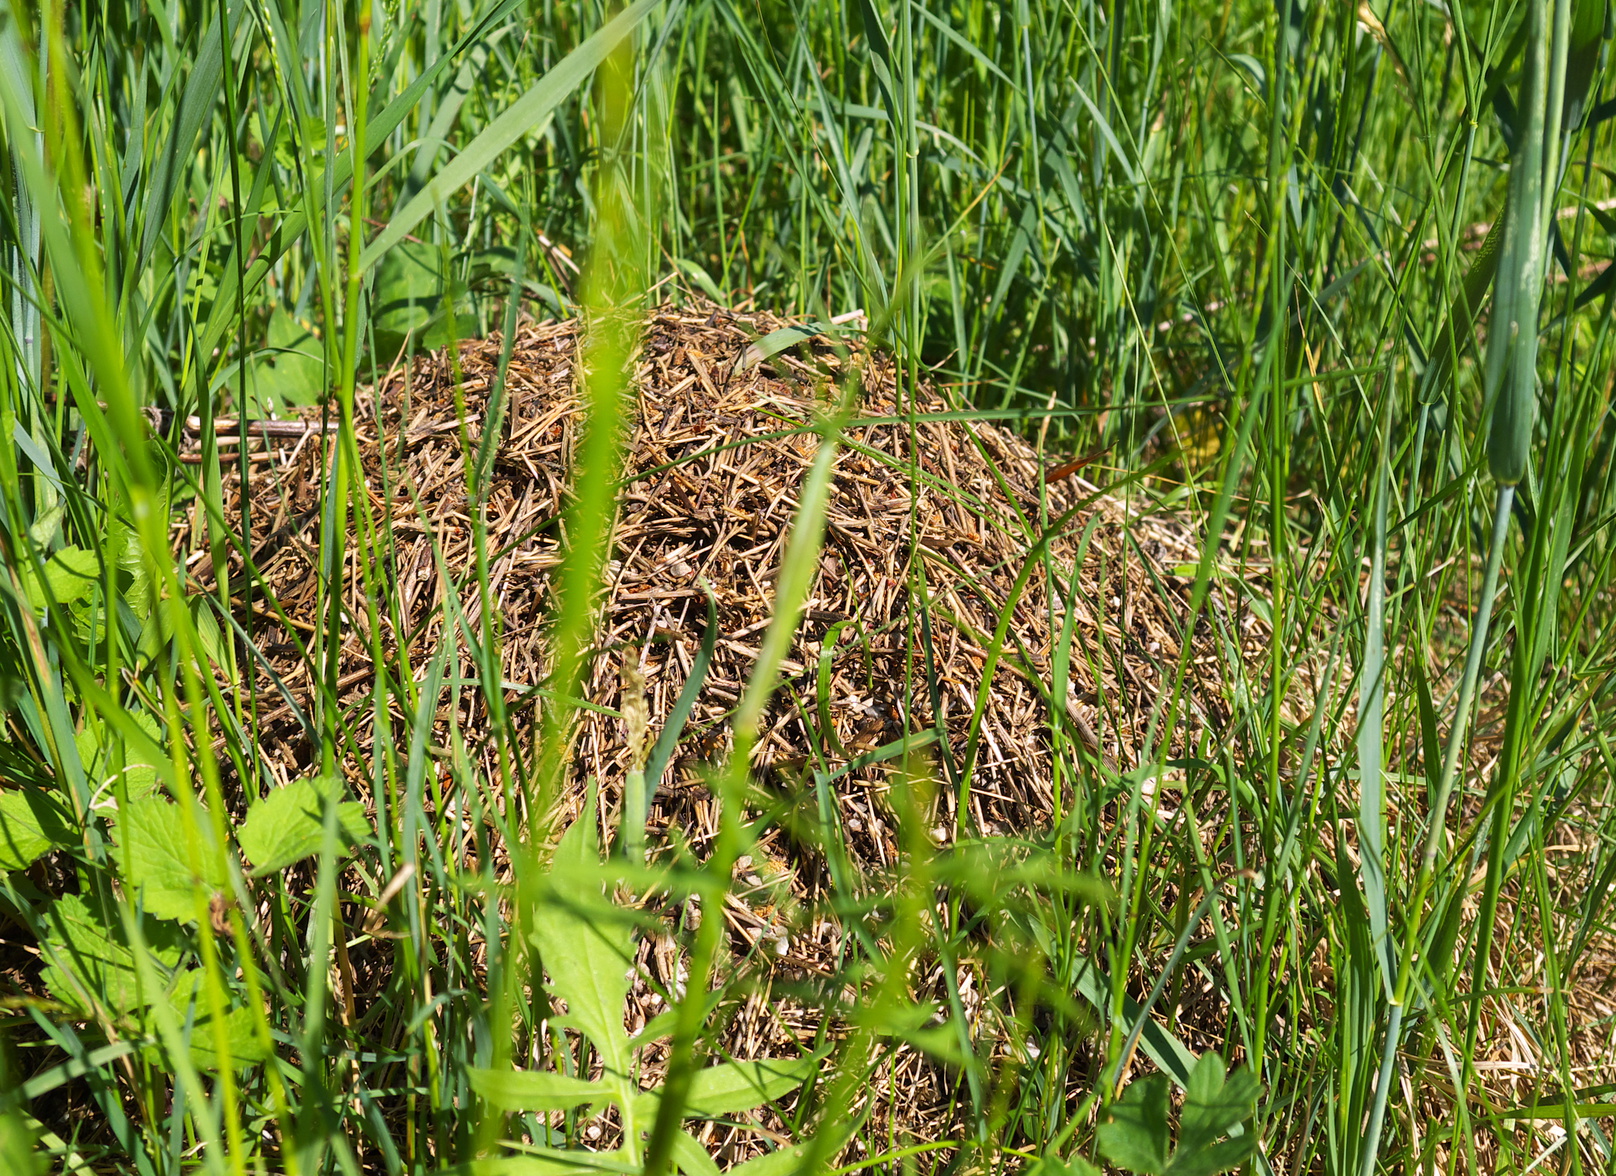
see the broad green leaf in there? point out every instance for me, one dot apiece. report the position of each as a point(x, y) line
point(289, 824)
point(660, 1026)
point(926, 1027)
point(781, 1162)
point(31, 821)
point(1214, 1108)
point(785, 1161)
point(70, 574)
point(731, 1087)
point(139, 766)
point(691, 1157)
point(170, 856)
point(1055, 1166)
point(89, 959)
point(408, 296)
point(195, 110)
point(378, 134)
point(1137, 1133)
point(190, 1002)
point(536, 1090)
point(290, 370)
point(19, 1142)
point(1160, 1046)
point(545, 1161)
point(209, 639)
point(788, 1161)
point(527, 114)
point(586, 943)
point(780, 340)
point(124, 542)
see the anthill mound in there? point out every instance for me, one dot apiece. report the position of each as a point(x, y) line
point(932, 523)
point(942, 593)
point(930, 528)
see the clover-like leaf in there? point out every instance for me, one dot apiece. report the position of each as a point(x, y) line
point(289, 824)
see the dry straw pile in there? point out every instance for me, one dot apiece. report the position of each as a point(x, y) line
point(948, 507)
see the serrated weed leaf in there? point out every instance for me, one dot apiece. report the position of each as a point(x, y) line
point(170, 856)
point(1212, 1158)
point(70, 574)
point(139, 773)
point(1213, 1105)
point(288, 825)
point(31, 821)
point(537, 1090)
point(190, 1004)
point(89, 960)
point(586, 943)
point(1137, 1133)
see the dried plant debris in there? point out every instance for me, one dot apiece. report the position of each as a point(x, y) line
point(932, 526)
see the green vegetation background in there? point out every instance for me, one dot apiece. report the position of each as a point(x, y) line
point(1244, 247)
